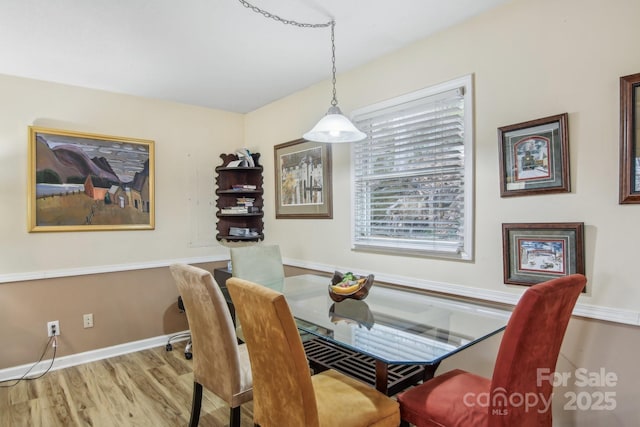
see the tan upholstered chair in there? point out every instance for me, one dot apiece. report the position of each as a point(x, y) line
point(285, 393)
point(219, 363)
point(259, 264)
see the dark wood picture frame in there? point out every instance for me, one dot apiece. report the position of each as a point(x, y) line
point(534, 157)
point(303, 180)
point(630, 139)
point(537, 252)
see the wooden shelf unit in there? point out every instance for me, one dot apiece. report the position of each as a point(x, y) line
point(226, 178)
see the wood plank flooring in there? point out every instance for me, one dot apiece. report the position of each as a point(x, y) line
point(147, 388)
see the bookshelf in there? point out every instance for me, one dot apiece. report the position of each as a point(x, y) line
point(239, 203)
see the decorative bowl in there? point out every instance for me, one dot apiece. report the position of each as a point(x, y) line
point(358, 292)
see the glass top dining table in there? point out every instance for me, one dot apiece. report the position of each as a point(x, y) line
point(391, 326)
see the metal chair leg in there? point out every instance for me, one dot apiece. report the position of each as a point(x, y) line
point(195, 404)
point(234, 417)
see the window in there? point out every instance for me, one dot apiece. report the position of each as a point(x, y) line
point(413, 174)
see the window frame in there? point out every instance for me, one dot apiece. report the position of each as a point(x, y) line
point(467, 251)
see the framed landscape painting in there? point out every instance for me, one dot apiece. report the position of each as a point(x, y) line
point(537, 252)
point(87, 182)
point(303, 180)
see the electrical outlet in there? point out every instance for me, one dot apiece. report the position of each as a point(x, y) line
point(87, 320)
point(53, 328)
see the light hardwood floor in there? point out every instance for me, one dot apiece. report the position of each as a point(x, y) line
point(147, 388)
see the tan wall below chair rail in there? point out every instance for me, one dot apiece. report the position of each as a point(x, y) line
point(127, 306)
point(134, 305)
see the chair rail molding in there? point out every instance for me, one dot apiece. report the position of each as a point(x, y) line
point(591, 311)
point(98, 269)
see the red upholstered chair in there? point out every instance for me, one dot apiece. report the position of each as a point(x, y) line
point(519, 393)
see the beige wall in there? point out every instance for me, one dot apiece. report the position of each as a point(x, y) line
point(529, 58)
point(127, 305)
point(188, 142)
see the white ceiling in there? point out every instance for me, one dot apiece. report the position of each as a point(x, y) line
point(212, 53)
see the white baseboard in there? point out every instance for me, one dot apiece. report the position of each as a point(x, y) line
point(89, 356)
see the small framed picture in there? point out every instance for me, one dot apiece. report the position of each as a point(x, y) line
point(630, 139)
point(537, 252)
point(534, 157)
point(303, 180)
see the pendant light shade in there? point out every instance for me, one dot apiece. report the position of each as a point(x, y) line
point(334, 127)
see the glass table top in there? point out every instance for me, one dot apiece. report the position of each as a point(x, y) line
point(391, 325)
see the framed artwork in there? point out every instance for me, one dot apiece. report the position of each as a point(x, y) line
point(537, 252)
point(303, 180)
point(630, 139)
point(534, 157)
point(88, 182)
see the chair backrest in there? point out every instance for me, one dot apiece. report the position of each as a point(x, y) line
point(216, 361)
point(283, 394)
point(520, 389)
point(259, 264)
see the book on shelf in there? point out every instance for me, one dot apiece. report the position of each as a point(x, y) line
point(235, 210)
point(242, 232)
point(240, 209)
point(245, 201)
point(243, 187)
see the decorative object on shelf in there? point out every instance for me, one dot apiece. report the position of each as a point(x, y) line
point(536, 252)
point(630, 139)
point(334, 126)
point(303, 180)
point(240, 215)
point(534, 157)
point(89, 182)
point(348, 285)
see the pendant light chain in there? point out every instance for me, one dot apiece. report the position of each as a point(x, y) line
point(332, 24)
point(282, 20)
point(334, 101)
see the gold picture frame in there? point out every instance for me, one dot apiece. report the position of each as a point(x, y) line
point(89, 182)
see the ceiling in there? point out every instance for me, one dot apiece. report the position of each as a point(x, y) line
point(212, 53)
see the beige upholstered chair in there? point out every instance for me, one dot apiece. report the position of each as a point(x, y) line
point(285, 393)
point(219, 363)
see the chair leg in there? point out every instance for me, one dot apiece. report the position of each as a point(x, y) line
point(234, 417)
point(195, 404)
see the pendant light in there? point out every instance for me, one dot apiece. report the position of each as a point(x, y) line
point(334, 126)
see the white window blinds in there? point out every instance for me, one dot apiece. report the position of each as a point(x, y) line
point(412, 174)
